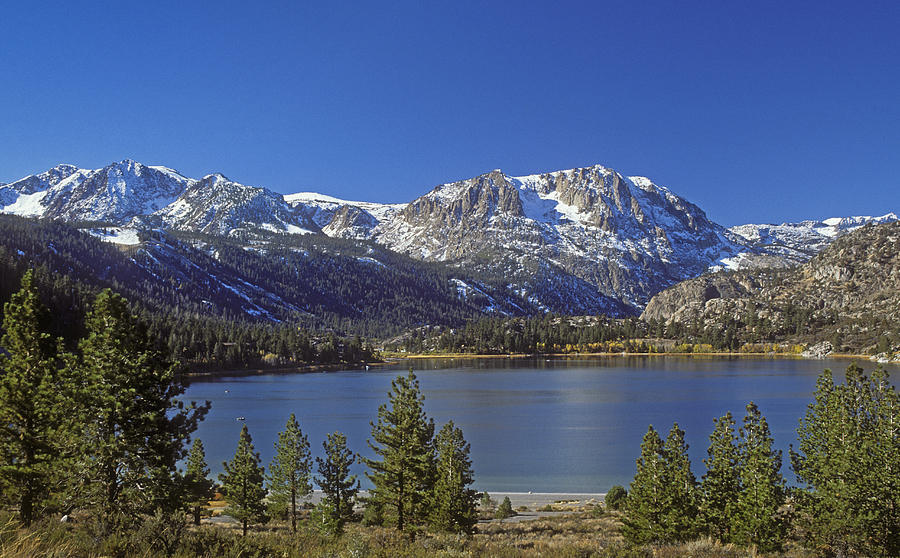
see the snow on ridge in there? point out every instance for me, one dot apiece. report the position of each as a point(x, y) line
point(27, 205)
point(532, 178)
point(829, 228)
point(323, 201)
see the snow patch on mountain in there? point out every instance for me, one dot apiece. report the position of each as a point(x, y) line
point(116, 235)
point(27, 205)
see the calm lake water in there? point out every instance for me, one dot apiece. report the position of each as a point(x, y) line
point(561, 425)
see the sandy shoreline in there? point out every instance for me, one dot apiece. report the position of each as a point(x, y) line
point(531, 500)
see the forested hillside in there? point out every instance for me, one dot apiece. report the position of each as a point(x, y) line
point(212, 302)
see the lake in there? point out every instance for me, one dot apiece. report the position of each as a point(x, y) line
point(558, 425)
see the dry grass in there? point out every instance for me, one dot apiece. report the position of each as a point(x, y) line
point(579, 535)
point(17, 542)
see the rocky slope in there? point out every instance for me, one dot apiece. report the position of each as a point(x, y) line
point(218, 206)
point(851, 288)
point(616, 238)
point(798, 242)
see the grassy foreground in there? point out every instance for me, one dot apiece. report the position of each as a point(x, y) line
point(584, 534)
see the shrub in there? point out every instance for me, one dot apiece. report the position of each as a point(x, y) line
point(615, 498)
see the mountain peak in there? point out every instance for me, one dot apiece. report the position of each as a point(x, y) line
point(216, 178)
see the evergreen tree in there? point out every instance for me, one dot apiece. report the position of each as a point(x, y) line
point(134, 428)
point(680, 500)
point(403, 477)
point(721, 483)
point(337, 484)
point(242, 483)
point(849, 461)
point(34, 403)
point(505, 509)
point(289, 472)
point(757, 520)
point(645, 506)
point(198, 487)
point(453, 506)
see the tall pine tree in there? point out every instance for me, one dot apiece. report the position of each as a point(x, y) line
point(402, 438)
point(721, 483)
point(453, 504)
point(757, 519)
point(339, 487)
point(242, 482)
point(289, 472)
point(849, 461)
point(197, 486)
point(35, 404)
point(134, 427)
point(645, 506)
point(681, 506)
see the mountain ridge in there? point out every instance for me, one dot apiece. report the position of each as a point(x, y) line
point(583, 240)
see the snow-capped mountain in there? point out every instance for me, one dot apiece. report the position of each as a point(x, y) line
point(798, 242)
point(219, 206)
point(341, 218)
point(114, 194)
point(130, 193)
point(584, 240)
point(617, 239)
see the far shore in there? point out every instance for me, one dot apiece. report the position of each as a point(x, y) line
point(400, 356)
point(394, 358)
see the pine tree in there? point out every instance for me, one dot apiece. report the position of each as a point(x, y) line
point(35, 402)
point(453, 504)
point(505, 509)
point(197, 486)
point(339, 487)
point(289, 472)
point(403, 477)
point(242, 482)
point(680, 496)
point(721, 483)
point(849, 460)
point(645, 505)
point(134, 428)
point(757, 520)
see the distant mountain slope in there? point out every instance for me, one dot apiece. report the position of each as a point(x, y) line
point(322, 282)
point(147, 197)
point(798, 242)
point(580, 241)
point(850, 292)
point(342, 218)
point(219, 206)
point(115, 193)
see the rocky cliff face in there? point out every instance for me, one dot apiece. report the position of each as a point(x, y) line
point(619, 238)
point(690, 298)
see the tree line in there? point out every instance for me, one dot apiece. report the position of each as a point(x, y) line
point(847, 461)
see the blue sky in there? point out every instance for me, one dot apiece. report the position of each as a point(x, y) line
point(756, 111)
